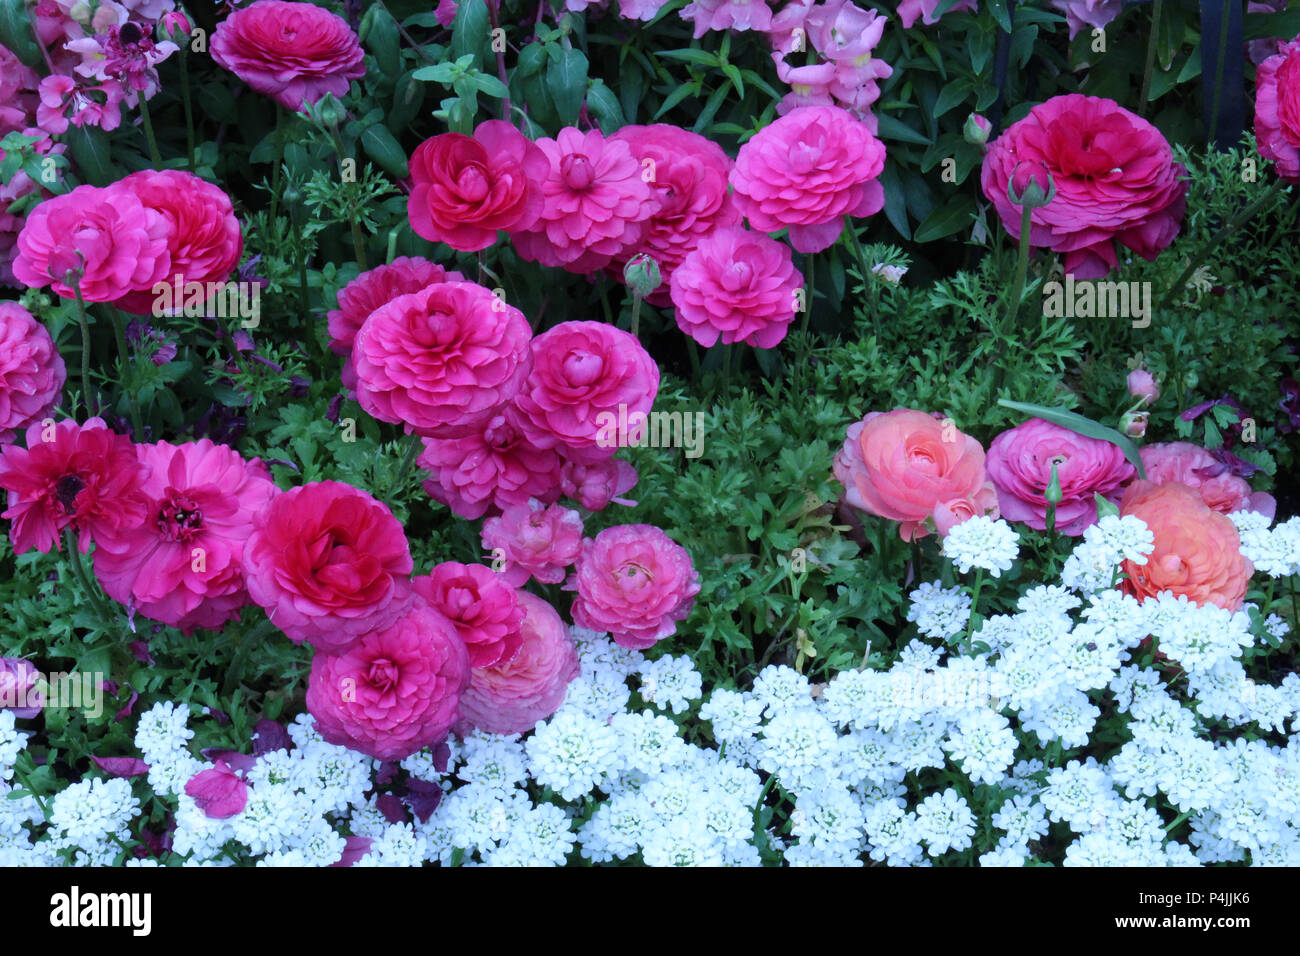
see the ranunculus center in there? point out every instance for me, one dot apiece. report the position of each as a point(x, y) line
point(180, 518)
point(383, 674)
point(472, 183)
point(582, 367)
point(500, 435)
point(632, 576)
point(804, 157)
point(922, 458)
point(66, 490)
point(737, 276)
point(577, 171)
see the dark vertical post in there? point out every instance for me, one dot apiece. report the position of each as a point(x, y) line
point(1223, 83)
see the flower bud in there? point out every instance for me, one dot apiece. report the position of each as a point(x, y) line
point(1031, 185)
point(1134, 424)
point(1142, 384)
point(174, 25)
point(642, 275)
point(1052, 494)
point(977, 129)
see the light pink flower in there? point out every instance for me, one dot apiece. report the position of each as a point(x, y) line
point(1088, 14)
point(739, 285)
point(63, 100)
point(533, 541)
point(512, 696)
point(910, 10)
point(1142, 384)
point(32, 373)
point(1199, 470)
point(484, 609)
point(727, 15)
point(808, 170)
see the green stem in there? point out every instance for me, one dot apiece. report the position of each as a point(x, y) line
point(85, 348)
point(84, 582)
point(810, 261)
point(413, 446)
point(137, 427)
point(636, 314)
point(1177, 820)
point(1152, 40)
point(147, 123)
point(1022, 267)
point(279, 161)
point(975, 603)
point(693, 353)
point(190, 158)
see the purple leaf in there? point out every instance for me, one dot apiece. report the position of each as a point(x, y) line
point(219, 792)
point(233, 758)
point(354, 848)
point(140, 651)
point(270, 735)
point(121, 766)
point(423, 798)
point(125, 712)
point(391, 807)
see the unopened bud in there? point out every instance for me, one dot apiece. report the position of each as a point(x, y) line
point(642, 275)
point(977, 129)
point(1031, 185)
point(1142, 384)
point(174, 25)
point(1134, 424)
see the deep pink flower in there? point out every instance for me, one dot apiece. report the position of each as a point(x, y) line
point(466, 188)
point(512, 696)
point(106, 236)
point(395, 691)
point(533, 541)
point(634, 583)
point(292, 52)
point(807, 171)
point(597, 198)
point(595, 485)
point(1277, 110)
point(1019, 463)
point(32, 373)
point(582, 373)
point(727, 15)
point(690, 186)
point(63, 100)
point(123, 54)
point(328, 562)
point(83, 477)
point(218, 791)
point(183, 564)
point(442, 361)
point(1199, 470)
point(739, 285)
point(204, 241)
point(482, 607)
point(1115, 179)
point(370, 290)
point(493, 469)
point(17, 85)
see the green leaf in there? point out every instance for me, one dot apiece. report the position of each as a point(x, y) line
point(604, 105)
point(1104, 506)
point(469, 29)
point(380, 146)
point(383, 40)
point(949, 218)
point(566, 77)
point(699, 57)
point(676, 96)
point(1083, 426)
point(531, 59)
point(1001, 14)
point(492, 86)
point(895, 202)
point(896, 129)
point(951, 95)
point(89, 149)
point(16, 32)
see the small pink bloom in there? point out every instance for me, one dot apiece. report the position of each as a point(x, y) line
point(32, 373)
point(727, 15)
point(533, 541)
point(219, 792)
point(20, 693)
point(909, 11)
point(594, 486)
point(1142, 384)
point(634, 583)
point(1193, 466)
point(482, 607)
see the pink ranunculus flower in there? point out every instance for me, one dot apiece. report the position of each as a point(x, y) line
point(727, 15)
point(370, 290)
point(909, 11)
point(328, 562)
point(32, 372)
point(739, 285)
point(512, 696)
point(483, 608)
point(1199, 470)
point(584, 374)
point(84, 477)
point(1088, 14)
point(20, 693)
point(1115, 180)
point(443, 361)
point(1277, 110)
point(595, 485)
point(183, 564)
point(1142, 384)
point(494, 469)
point(1019, 463)
point(395, 691)
point(596, 200)
point(913, 468)
point(292, 52)
point(690, 185)
point(219, 791)
point(204, 241)
point(464, 189)
point(807, 171)
point(106, 237)
point(533, 541)
point(634, 583)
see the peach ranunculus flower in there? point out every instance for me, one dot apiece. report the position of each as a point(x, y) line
point(1197, 552)
point(915, 469)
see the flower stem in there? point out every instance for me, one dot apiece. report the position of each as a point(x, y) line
point(84, 582)
point(636, 314)
point(190, 159)
point(1022, 266)
point(693, 353)
point(974, 604)
point(137, 427)
point(147, 122)
point(1144, 99)
point(279, 161)
point(85, 348)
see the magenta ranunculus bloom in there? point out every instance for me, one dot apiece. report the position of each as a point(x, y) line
point(490, 470)
point(807, 171)
point(1199, 470)
point(739, 285)
point(32, 373)
point(634, 583)
point(204, 241)
point(482, 607)
point(442, 361)
point(183, 564)
point(395, 691)
point(219, 791)
point(294, 53)
point(597, 199)
point(512, 696)
point(596, 484)
point(1115, 180)
point(19, 690)
point(532, 541)
point(583, 373)
point(1277, 110)
point(370, 290)
point(690, 184)
point(108, 238)
point(466, 188)
point(1019, 463)
point(328, 562)
point(84, 477)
